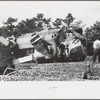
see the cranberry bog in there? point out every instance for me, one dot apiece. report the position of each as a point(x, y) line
point(64, 71)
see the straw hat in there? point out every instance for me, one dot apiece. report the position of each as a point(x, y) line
point(34, 38)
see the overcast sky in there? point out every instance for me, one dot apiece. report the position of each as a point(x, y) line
point(87, 11)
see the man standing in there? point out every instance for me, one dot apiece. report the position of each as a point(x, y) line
point(96, 50)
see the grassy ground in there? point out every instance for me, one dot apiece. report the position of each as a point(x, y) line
point(66, 71)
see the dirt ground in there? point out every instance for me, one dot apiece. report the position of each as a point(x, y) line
point(65, 71)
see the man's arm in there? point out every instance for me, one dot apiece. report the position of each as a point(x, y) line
point(78, 36)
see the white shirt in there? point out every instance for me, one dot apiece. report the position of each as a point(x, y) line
point(96, 44)
point(37, 55)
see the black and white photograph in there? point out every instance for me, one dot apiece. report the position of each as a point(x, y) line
point(49, 41)
point(58, 41)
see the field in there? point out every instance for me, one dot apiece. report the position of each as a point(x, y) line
point(66, 71)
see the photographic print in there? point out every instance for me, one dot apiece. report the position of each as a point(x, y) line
point(55, 41)
point(49, 41)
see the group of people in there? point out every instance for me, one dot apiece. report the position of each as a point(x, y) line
point(45, 52)
point(61, 49)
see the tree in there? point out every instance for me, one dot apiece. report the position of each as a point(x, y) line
point(34, 24)
point(69, 19)
point(93, 32)
point(10, 24)
point(47, 22)
point(41, 22)
point(57, 22)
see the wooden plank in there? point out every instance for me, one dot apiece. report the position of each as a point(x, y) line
point(24, 41)
point(22, 59)
point(25, 46)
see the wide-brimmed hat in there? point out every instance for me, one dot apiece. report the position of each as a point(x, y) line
point(34, 38)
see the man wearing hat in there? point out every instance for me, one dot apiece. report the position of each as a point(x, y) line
point(43, 51)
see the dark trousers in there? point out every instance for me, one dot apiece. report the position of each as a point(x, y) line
point(96, 53)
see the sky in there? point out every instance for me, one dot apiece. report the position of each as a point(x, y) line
point(87, 11)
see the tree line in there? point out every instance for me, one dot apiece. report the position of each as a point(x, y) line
point(32, 25)
point(39, 22)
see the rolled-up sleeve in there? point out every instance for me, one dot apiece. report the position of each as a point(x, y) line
point(94, 45)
